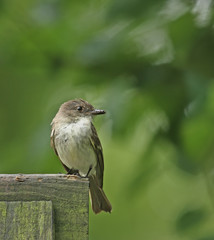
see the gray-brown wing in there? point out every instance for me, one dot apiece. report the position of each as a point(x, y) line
point(54, 148)
point(95, 142)
point(52, 141)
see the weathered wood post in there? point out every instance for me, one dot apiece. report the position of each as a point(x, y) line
point(43, 207)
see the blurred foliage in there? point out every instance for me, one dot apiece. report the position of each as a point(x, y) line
point(149, 64)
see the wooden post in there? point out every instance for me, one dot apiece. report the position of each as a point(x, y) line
point(43, 207)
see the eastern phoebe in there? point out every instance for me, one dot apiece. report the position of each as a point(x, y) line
point(76, 143)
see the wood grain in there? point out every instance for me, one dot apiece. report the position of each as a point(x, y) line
point(69, 196)
point(26, 220)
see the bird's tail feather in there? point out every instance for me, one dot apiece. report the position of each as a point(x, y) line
point(99, 201)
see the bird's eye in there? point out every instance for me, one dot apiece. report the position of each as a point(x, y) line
point(79, 108)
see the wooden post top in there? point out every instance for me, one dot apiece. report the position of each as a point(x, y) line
point(42, 176)
point(68, 194)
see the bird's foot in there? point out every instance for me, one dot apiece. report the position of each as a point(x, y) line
point(73, 172)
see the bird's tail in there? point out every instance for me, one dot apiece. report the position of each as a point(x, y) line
point(99, 201)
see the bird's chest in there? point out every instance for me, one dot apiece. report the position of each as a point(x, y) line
point(74, 135)
point(74, 147)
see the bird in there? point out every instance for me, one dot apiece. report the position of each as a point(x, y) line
point(75, 141)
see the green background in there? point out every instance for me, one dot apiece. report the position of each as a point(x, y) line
point(150, 65)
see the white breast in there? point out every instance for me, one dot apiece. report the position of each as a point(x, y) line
point(72, 142)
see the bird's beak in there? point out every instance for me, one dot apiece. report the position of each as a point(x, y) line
point(97, 112)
